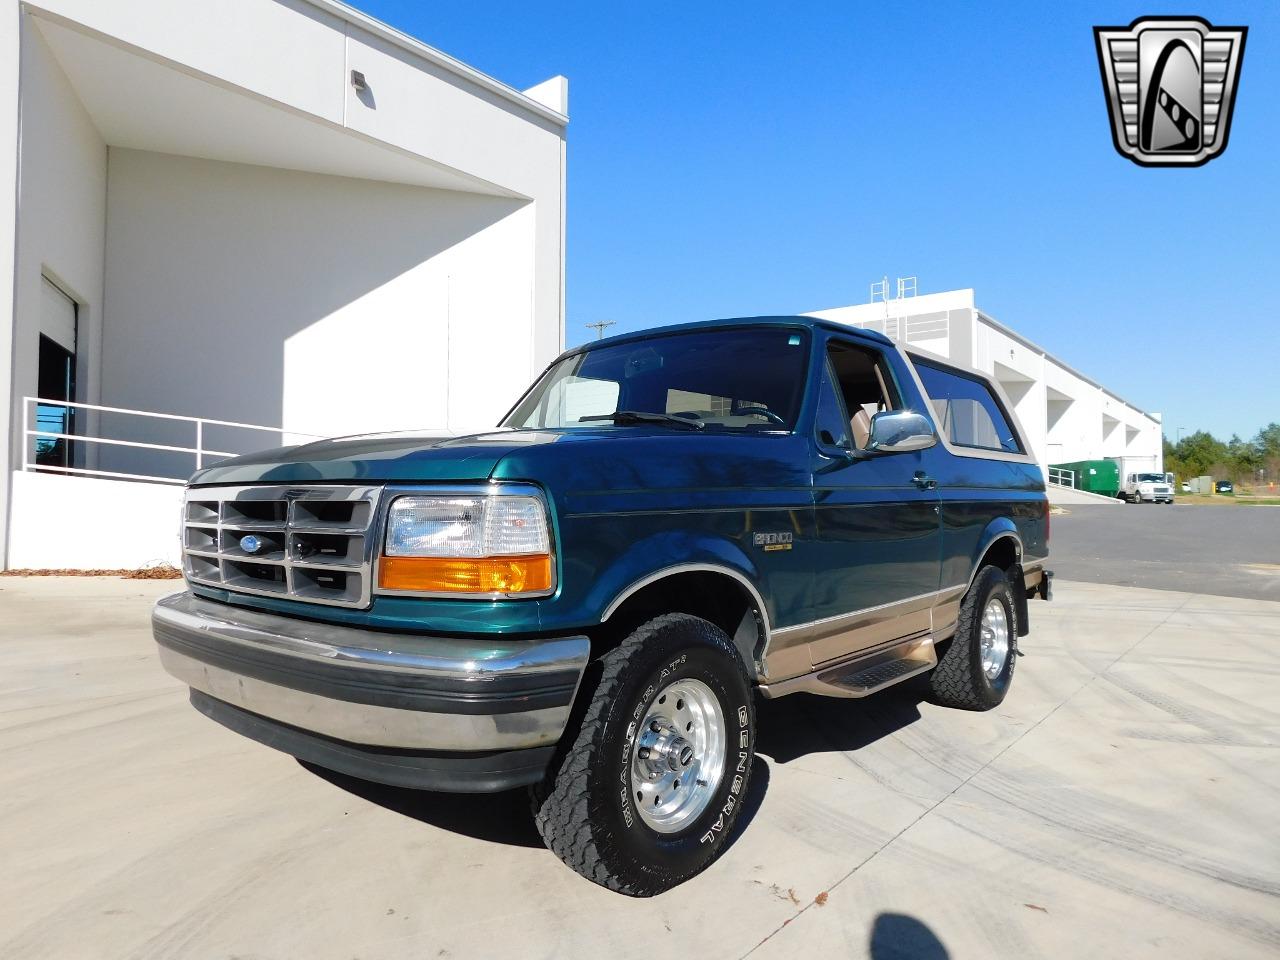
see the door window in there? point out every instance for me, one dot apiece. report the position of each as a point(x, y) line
point(863, 388)
point(832, 421)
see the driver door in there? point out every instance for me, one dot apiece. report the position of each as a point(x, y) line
point(878, 537)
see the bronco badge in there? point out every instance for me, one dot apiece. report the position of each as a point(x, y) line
point(1170, 84)
point(773, 541)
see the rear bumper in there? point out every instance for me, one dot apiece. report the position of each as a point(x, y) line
point(1045, 588)
point(346, 691)
point(1039, 583)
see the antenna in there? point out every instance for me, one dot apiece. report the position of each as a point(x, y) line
point(600, 326)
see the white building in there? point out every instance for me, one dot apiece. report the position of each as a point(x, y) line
point(1067, 416)
point(279, 213)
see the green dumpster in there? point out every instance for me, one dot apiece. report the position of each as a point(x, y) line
point(1093, 476)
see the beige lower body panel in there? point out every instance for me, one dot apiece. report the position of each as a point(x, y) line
point(811, 647)
point(863, 673)
point(870, 629)
point(1033, 577)
point(798, 658)
point(947, 612)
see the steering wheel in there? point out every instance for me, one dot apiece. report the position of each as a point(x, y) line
point(768, 415)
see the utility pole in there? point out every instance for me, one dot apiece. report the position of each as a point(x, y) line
point(600, 326)
point(1180, 429)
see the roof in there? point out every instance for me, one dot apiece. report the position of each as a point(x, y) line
point(437, 57)
point(1035, 347)
point(811, 323)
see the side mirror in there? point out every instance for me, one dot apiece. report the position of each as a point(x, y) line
point(900, 431)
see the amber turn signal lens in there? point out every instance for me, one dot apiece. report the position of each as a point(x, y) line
point(524, 574)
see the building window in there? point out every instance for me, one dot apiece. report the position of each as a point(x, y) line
point(56, 382)
point(56, 377)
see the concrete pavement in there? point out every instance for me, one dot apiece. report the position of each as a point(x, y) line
point(1120, 803)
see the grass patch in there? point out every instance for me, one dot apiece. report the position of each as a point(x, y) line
point(1225, 499)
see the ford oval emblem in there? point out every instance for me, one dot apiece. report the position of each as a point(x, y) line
point(250, 544)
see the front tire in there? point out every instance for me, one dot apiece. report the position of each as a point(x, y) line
point(976, 670)
point(646, 794)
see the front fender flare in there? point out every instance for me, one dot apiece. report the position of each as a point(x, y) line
point(668, 554)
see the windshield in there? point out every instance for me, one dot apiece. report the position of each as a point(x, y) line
point(732, 379)
point(1153, 477)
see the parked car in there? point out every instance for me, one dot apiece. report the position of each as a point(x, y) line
point(1146, 487)
point(1223, 486)
point(589, 598)
point(1186, 487)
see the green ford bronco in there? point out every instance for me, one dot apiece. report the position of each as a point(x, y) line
point(588, 599)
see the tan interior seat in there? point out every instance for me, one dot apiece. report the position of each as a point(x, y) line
point(860, 427)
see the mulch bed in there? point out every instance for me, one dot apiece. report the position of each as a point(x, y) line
point(157, 572)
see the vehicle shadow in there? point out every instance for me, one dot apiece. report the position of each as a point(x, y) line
point(753, 800)
point(803, 723)
point(497, 817)
point(897, 936)
point(790, 728)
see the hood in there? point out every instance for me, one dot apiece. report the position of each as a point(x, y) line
point(654, 460)
point(405, 456)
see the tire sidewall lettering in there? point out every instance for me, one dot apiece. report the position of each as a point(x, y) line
point(731, 804)
point(626, 802)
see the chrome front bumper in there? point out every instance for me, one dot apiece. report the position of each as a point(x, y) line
point(371, 688)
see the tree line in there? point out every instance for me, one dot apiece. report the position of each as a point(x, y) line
point(1241, 461)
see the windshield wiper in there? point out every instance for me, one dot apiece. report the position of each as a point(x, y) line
point(643, 416)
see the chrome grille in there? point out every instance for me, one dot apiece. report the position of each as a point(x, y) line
point(313, 543)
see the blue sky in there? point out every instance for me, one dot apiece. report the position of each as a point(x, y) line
point(760, 158)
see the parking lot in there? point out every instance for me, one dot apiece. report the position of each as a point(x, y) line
point(1229, 550)
point(1120, 803)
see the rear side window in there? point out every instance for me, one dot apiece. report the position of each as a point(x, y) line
point(967, 410)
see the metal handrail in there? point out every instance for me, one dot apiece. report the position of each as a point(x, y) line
point(199, 450)
point(1062, 477)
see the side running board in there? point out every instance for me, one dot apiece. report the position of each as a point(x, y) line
point(863, 674)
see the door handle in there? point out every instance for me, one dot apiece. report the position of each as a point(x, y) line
point(924, 482)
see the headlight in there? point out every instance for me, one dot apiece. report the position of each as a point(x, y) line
point(496, 544)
